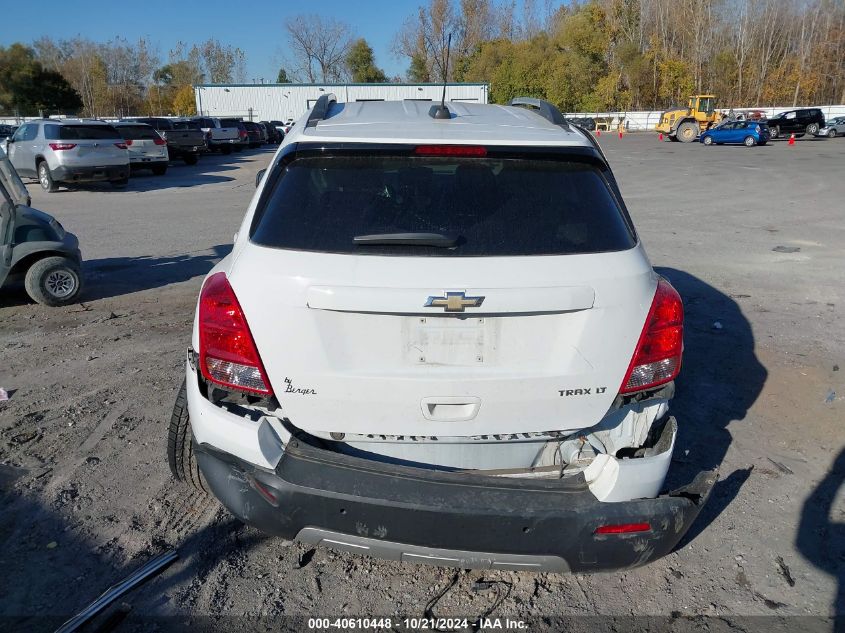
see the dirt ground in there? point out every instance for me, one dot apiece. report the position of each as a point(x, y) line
point(87, 495)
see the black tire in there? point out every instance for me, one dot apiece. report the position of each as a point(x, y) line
point(774, 132)
point(54, 281)
point(120, 183)
point(687, 132)
point(831, 133)
point(813, 129)
point(159, 170)
point(708, 140)
point(180, 445)
point(45, 178)
point(190, 159)
point(749, 141)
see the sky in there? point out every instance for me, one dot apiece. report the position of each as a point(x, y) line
point(254, 26)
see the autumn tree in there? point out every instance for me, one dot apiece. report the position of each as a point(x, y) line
point(319, 46)
point(27, 88)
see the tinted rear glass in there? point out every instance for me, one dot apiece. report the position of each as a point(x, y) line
point(186, 125)
point(495, 207)
point(80, 132)
point(138, 132)
point(229, 122)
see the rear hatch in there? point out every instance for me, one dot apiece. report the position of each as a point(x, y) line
point(87, 144)
point(144, 143)
point(519, 314)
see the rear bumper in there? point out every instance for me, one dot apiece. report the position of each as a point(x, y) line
point(415, 515)
point(67, 173)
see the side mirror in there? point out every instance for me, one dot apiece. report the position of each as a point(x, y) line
point(259, 177)
point(9, 139)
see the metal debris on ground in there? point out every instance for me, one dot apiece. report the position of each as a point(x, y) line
point(784, 570)
point(114, 592)
point(786, 249)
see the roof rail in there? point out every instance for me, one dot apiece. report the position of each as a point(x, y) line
point(320, 109)
point(546, 109)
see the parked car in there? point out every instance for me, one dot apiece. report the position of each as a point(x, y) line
point(34, 246)
point(147, 149)
point(833, 128)
point(798, 122)
point(256, 134)
point(223, 135)
point(749, 133)
point(184, 137)
point(480, 356)
point(69, 151)
point(588, 123)
point(6, 131)
point(273, 135)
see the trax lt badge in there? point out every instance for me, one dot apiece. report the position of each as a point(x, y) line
point(454, 302)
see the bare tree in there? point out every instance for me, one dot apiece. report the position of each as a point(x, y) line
point(319, 45)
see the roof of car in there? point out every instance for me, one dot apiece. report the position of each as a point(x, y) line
point(410, 122)
point(75, 121)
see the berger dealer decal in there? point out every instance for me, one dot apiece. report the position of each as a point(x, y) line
point(289, 388)
point(582, 392)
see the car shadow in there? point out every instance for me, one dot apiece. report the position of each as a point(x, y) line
point(821, 540)
point(720, 380)
point(116, 276)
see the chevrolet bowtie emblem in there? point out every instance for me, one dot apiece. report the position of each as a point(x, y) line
point(454, 302)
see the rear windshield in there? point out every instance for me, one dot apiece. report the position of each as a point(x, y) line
point(138, 132)
point(494, 207)
point(79, 132)
point(186, 125)
point(229, 122)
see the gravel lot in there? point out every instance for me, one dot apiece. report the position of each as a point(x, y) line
point(752, 238)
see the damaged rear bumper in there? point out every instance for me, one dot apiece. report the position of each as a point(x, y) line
point(444, 518)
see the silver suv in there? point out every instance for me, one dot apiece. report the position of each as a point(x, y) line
point(69, 151)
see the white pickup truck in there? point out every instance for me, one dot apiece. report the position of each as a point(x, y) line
point(223, 134)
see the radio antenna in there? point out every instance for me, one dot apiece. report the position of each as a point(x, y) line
point(441, 111)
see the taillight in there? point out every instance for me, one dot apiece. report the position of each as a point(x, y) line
point(243, 134)
point(228, 355)
point(129, 142)
point(623, 528)
point(124, 145)
point(60, 146)
point(451, 150)
point(159, 141)
point(657, 357)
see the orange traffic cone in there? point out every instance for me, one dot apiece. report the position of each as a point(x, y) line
point(660, 137)
point(791, 139)
point(620, 133)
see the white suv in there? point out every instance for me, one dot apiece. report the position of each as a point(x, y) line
point(440, 340)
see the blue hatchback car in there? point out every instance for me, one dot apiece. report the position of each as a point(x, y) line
point(749, 133)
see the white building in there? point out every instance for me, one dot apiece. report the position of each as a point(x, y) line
point(279, 102)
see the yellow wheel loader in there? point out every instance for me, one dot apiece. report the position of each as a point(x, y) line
point(685, 124)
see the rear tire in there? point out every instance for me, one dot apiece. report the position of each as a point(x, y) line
point(190, 159)
point(159, 170)
point(180, 445)
point(813, 129)
point(774, 132)
point(749, 141)
point(54, 281)
point(687, 132)
point(45, 178)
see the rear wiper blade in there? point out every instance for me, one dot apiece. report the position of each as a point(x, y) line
point(407, 239)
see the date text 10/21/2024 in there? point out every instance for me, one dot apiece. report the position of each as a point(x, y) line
point(417, 624)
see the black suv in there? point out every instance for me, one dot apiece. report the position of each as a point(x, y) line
point(798, 122)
